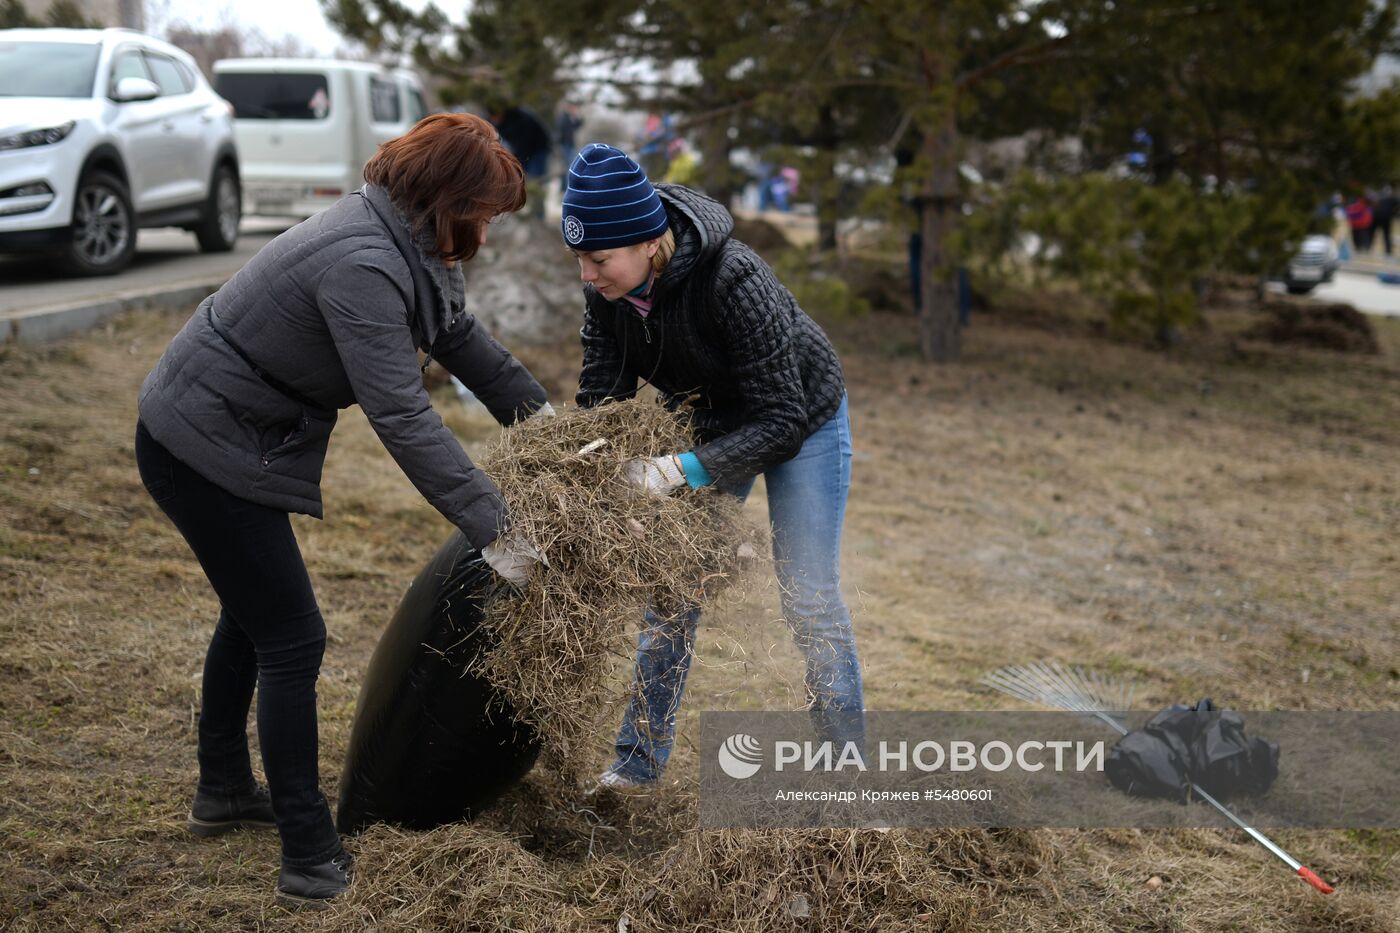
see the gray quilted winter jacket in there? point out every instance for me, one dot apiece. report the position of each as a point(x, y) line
point(724, 339)
point(328, 315)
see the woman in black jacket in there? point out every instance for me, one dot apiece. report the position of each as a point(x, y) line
point(234, 423)
point(672, 299)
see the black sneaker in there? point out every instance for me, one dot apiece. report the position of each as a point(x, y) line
point(213, 814)
point(314, 885)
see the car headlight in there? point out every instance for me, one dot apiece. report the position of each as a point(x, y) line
point(43, 137)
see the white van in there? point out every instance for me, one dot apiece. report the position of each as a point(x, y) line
point(306, 127)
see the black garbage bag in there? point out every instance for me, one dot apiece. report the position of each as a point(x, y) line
point(1199, 744)
point(432, 743)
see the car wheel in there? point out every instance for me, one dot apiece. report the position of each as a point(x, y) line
point(102, 238)
point(218, 230)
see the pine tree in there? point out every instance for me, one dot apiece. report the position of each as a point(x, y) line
point(1250, 95)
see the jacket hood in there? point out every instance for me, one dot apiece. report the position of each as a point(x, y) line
point(432, 279)
point(700, 225)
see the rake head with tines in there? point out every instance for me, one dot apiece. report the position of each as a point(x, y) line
point(1049, 683)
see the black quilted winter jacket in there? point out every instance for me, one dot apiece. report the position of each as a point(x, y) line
point(724, 339)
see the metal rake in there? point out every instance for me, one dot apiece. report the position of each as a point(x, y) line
point(1049, 683)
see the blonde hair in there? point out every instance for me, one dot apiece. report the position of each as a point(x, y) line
point(664, 250)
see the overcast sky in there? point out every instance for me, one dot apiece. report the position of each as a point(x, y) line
point(274, 18)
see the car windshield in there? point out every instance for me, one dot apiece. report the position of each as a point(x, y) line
point(272, 96)
point(47, 69)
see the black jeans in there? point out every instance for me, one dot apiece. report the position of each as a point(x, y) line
point(270, 635)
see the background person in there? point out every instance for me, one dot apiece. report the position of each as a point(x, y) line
point(1359, 219)
point(566, 126)
point(528, 139)
point(1383, 215)
point(671, 298)
point(234, 423)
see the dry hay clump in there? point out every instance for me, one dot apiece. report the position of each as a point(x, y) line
point(455, 877)
point(837, 879)
point(476, 876)
point(611, 552)
point(1334, 326)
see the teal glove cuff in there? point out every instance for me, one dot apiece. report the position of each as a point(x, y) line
point(695, 473)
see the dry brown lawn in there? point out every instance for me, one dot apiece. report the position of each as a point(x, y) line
point(1219, 520)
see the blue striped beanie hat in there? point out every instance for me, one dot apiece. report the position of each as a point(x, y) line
point(609, 202)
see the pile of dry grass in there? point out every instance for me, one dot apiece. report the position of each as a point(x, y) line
point(470, 876)
point(456, 877)
point(1336, 326)
point(836, 879)
point(611, 552)
point(551, 861)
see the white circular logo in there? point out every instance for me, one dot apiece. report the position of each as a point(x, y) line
point(740, 756)
point(573, 229)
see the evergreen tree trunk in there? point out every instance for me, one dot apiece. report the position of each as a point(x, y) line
point(716, 172)
point(939, 338)
point(826, 186)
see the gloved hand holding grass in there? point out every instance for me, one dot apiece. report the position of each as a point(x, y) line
point(513, 557)
point(661, 476)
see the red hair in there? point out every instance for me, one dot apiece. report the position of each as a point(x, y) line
point(450, 170)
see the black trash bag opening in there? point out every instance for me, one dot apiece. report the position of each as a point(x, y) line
point(1199, 744)
point(432, 743)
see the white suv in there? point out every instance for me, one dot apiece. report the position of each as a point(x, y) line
point(103, 131)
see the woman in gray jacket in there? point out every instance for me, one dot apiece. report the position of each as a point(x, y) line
point(234, 424)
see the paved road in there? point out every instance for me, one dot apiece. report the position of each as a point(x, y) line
point(163, 258)
point(1361, 290)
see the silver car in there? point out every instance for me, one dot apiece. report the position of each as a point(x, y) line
point(103, 131)
point(1315, 262)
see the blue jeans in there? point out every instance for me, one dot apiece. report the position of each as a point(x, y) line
point(806, 506)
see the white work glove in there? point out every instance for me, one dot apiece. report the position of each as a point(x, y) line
point(659, 476)
point(513, 557)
